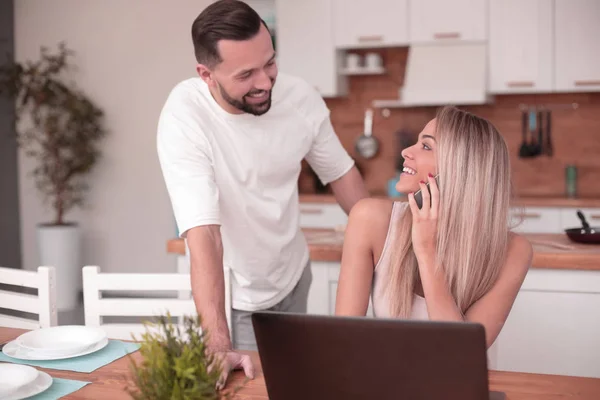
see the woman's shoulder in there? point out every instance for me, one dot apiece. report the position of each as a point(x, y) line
point(372, 211)
point(370, 218)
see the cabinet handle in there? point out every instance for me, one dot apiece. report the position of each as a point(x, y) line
point(595, 216)
point(374, 38)
point(528, 216)
point(587, 83)
point(520, 84)
point(446, 35)
point(310, 211)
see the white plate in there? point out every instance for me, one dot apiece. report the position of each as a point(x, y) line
point(61, 340)
point(12, 349)
point(42, 383)
point(14, 377)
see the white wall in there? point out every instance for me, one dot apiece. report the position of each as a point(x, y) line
point(129, 54)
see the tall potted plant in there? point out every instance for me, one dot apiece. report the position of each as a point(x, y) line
point(60, 127)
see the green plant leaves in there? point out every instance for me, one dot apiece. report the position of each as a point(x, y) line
point(175, 363)
point(57, 124)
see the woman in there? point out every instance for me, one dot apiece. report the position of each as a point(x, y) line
point(455, 258)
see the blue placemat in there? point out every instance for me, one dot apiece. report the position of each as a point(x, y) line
point(114, 350)
point(60, 387)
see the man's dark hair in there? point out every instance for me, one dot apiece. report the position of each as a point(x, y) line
point(223, 19)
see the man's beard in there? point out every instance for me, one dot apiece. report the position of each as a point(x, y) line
point(254, 109)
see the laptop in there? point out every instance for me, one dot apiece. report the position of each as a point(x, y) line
point(312, 357)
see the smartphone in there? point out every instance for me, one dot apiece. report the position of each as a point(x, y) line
point(419, 195)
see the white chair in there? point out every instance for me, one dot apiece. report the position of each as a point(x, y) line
point(43, 303)
point(97, 307)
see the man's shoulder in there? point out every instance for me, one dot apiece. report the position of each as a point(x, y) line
point(185, 113)
point(296, 93)
point(187, 90)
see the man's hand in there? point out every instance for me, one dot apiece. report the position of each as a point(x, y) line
point(232, 360)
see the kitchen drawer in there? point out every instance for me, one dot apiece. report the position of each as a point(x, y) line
point(569, 217)
point(320, 215)
point(536, 220)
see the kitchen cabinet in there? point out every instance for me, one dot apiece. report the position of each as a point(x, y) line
point(370, 23)
point(554, 325)
point(323, 289)
point(577, 59)
point(322, 215)
point(305, 45)
point(521, 46)
point(321, 296)
point(536, 219)
point(434, 21)
point(523, 219)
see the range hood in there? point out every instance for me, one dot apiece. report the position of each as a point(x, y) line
point(440, 74)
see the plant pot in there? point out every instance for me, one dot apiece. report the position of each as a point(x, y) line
point(60, 246)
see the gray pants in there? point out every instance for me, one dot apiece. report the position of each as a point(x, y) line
point(241, 321)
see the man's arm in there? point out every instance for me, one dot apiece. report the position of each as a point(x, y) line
point(185, 159)
point(349, 189)
point(333, 165)
point(208, 287)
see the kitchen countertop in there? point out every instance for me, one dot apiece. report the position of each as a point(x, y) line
point(551, 251)
point(519, 202)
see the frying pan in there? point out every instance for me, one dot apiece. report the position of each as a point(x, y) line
point(367, 145)
point(585, 234)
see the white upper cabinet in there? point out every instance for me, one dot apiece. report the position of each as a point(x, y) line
point(577, 51)
point(369, 23)
point(305, 45)
point(520, 46)
point(447, 20)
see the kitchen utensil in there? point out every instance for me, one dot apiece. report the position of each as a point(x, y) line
point(39, 385)
point(533, 146)
point(587, 234)
point(549, 149)
point(13, 350)
point(352, 61)
point(583, 220)
point(539, 149)
point(61, 340)
point(14, 377)
point(524, 151)
point(373, 60)
point(367, 145)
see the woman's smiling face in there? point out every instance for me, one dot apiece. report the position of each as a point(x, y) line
point(419, 160)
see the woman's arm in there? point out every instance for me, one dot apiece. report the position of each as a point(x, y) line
point(493, 308)
point(364, 237)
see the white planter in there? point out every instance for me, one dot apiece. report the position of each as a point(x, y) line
point(60, 247)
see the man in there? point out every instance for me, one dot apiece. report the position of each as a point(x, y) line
point(230, 144)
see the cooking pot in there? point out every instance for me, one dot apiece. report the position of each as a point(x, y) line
point(586, 234)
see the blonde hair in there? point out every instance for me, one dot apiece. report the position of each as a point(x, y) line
point(473, 217)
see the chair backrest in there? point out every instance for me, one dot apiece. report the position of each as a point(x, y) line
point(43, 303)
point(98, 306)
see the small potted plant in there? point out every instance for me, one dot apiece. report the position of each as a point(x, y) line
point(60, 127)
point(175, 363)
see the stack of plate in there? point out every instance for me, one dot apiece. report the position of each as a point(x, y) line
point(21, 381)
point(56, 343)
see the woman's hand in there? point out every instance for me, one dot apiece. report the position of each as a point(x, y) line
point(424, 225)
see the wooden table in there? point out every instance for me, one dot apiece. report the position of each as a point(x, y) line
point(109, 382)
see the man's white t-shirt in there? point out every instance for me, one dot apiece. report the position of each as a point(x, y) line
point(241, 171)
